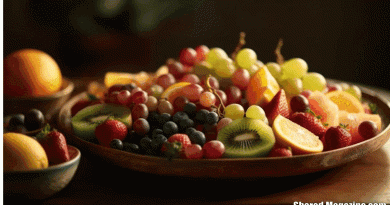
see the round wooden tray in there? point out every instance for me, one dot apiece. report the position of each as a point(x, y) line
point(232, 168)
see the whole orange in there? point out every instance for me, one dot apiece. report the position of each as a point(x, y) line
point(31, 72)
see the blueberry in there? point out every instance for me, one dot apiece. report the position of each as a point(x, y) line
point(15, 120)
point(212, 118)
point(170, 128)
point(158, 141)
point(197, 137)
point(34, 119)
point(130, 147)
point(153, 119)
point(201, 115)
point(185, 123)
point(116, 144)
point(163, 118)
point(179, 116)
point(157, 131)
point(190, 130)
point(190, 109)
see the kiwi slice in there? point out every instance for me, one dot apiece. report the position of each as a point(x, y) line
point(247, 137)
point(87, 119)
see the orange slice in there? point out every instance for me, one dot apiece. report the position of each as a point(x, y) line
point(262, 87)
point(141, 79)
point(290, 134)
point(346, 101)
point(173, 91)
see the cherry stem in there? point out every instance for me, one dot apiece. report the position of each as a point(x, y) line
point(278, 53)
point(214, 91)
point(241, 43)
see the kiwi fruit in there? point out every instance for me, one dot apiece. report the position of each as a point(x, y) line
point(87, 119)
point(247, 137)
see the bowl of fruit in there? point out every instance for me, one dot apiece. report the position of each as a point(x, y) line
point(32, 78)
point(207, 114)
point(30, 123)
point(37, 167)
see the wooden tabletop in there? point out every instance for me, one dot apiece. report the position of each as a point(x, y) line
point(97, 182)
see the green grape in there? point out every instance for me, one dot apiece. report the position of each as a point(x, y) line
point(294, 68)
point(355, 91)
point(253, 69)
point(313, 81)
point(234, 111)
point(344, 86)
point(225, 68)
point(246, 58)
point(215, 54)
point(275, 70)
point(256, 112)
point(292, 86)
point(203, 68)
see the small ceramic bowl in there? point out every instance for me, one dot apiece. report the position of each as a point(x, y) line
point(43, 183)
point(47, 104)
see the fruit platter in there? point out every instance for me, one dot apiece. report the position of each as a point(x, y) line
point(213, 115)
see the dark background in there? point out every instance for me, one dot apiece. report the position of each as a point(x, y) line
point(345, 40)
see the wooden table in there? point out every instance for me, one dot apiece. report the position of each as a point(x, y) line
point(97, 182)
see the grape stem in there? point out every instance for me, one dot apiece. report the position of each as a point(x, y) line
point(241, 43)
point(278, 53)
point(213, 90)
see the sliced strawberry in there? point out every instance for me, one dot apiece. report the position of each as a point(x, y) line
point(277, 106)
point(309, 121)
point(336, 137)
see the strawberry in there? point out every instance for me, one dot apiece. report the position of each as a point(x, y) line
point(110, 129)
point(280, 152)
point(309, 121)
point(54, 144)
point(277, 106)
point(175, 145)
point(336, 137)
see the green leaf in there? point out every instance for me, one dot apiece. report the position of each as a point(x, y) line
point(43, 132)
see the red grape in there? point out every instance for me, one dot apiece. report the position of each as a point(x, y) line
point(175, 68)
point(201, 52)
point(223, 97)
point(207, 99)
point(299, 103)
point(233, 94)
point(367, 129)
point(124, 97)
point(141, 126)
point(139, 111)
point(166, 80)
point(192, 92)
point(241, 78)
point(188, 56)
point(214, 83)
point(179, 103)
point(139, 97)
point(191, 78)
point(213, 149)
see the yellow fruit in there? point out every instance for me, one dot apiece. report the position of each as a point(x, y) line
point(22, 152)
point(31, 72)
point(290, 134)
point(346, 101)
point(173, 91)
point(141, 79)
point(323, 106)
point(262, 87)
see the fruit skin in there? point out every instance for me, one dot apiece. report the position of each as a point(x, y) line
point(280, 152)
point(336, 137)
point(109, 130)
point(193, 151)
point(213, 149)
point(55, 146)
point(277, 106)
point(309, 121)
point(21, 152)
point(31, 72)
point(81, 104)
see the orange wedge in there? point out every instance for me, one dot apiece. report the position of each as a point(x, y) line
point(174, 91)
point(141, 79)
point(290, 134)
point(262, 87)
point(346, 101)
